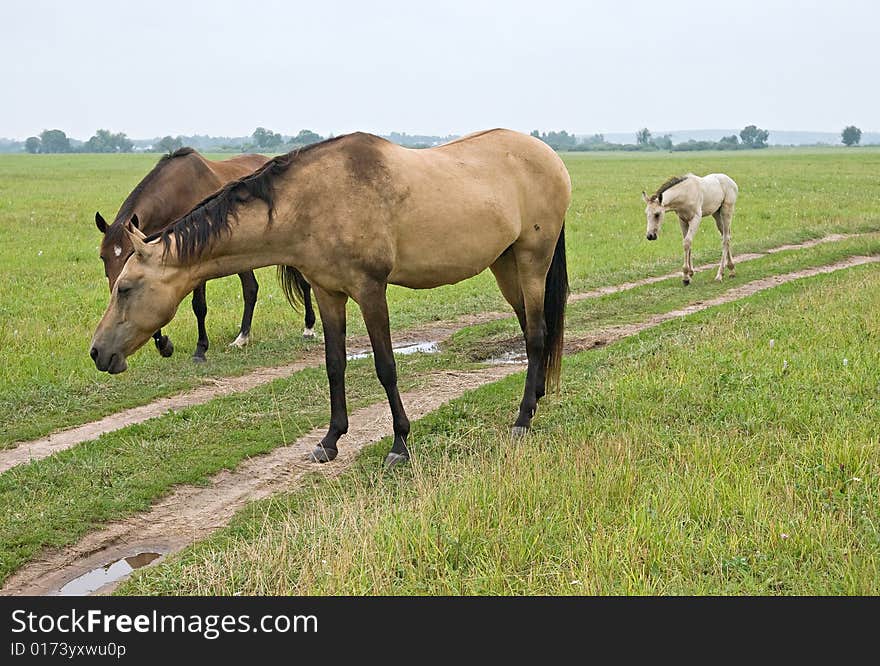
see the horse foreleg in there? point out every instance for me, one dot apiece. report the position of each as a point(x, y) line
point(374, 309)
point(690, 230)
point(200, 309)
point(332, 307)
point(249, 290)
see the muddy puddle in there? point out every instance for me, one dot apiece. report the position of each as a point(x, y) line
point(110, 573)
point(508, 358)
point(427, 347)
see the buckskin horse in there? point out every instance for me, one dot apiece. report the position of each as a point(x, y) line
point(356, 213)
point(176, 184)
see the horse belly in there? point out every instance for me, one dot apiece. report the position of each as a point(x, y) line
point(427, 258)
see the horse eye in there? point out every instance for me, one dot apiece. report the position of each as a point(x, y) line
point(124, 290)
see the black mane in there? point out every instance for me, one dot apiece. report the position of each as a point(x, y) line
point(209, 220)
point(671, 182)
point(127, 208)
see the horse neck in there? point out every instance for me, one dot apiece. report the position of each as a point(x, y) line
point(251, 242)
point(177, 189)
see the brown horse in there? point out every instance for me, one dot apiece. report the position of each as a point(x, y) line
point(355, 214)
point(175, 185)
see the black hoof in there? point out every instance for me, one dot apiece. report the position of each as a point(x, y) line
point(686, 281)
point(322, 455)
point(165, 347)
point(394, 459)
point(199, 359)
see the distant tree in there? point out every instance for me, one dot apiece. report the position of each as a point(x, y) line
point(105, 141)
point(54, 141)
point(663, 142)
point(732, 140)
point(536, 134)
point(168, 144)
point(643, 137)
point(754, 137)
point(267, 138)
point(851, 135)
point(306, 137)
point(32, 144)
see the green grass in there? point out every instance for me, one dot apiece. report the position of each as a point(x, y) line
point(55, 291)
point(54, 501)
point(694, 458)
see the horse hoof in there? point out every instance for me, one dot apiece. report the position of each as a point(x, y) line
point(240, 341)
point(518, 432)
point(686, 281)
point(393, 459)
point(165, 347)
point(718, 278)
point(308, 333)
point(199, 359)
point(321, 455)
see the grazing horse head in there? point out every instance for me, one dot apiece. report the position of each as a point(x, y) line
point(143, 298)
point(116, 247)
point(654, 211)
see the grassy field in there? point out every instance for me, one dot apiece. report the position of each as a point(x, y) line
point(54, 501)
point(617, 447)
point(55, 290)
point(734, 452)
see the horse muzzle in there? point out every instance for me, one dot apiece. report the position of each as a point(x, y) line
point(651, 236)
point(114, 363)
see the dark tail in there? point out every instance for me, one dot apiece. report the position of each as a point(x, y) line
point(292, 284)
point(555, 298)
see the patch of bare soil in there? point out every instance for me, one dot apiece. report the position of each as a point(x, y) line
point(191, 513)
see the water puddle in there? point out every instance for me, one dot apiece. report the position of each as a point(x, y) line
point(427, 347)
point(508, 358)
point(101, 576)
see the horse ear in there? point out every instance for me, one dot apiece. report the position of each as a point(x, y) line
point(100, 223)
point(644, 196)
point(136, 236)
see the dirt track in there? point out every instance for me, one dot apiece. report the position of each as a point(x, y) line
point(214, 388)
point(190, 513)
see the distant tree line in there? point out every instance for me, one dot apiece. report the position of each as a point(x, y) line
point(749, 138)
point(56, 141)
point(263, 139)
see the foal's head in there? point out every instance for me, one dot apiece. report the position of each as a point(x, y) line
point(116, 247)
point(143, 298)
point(654, 214)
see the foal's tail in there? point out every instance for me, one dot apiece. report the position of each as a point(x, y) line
point(555, 297)
point(293, 285)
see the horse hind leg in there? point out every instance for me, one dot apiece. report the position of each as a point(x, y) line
point(726, 219)
point(249, 290)
point(719, 222)
point(309, 329)
point(532, 284)
point(200, 309)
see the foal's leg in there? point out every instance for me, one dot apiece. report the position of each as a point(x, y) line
point(724, 243)
point(332, 306)
point(726, 219)
point(692, 226)
point(249, 289)
point(200, 308)
point(374, 309)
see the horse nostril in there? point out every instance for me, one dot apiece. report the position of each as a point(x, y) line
point(93, 352)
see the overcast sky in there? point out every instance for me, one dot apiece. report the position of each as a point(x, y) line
point(224, 68)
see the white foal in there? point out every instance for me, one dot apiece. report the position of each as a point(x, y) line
point(693, 198)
